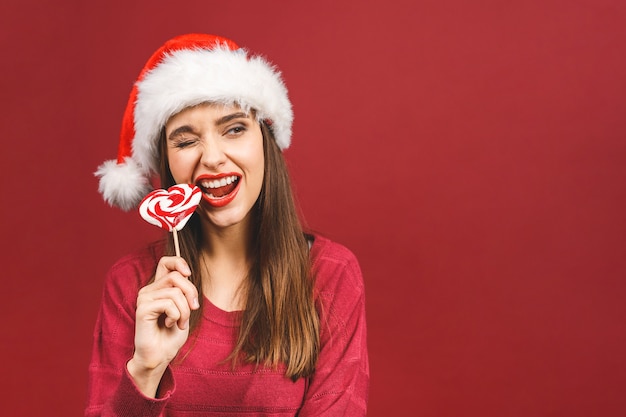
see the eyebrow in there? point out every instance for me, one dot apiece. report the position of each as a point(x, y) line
point(179, 131)
point(230, 117)
point(222, 120)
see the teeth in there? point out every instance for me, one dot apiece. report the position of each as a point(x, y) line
point(218, 183)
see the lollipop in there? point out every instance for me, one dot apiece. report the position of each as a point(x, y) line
point(171, 209)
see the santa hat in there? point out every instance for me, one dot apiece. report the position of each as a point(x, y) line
point(186, 71)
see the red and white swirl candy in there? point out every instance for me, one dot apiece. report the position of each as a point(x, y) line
point(170, 209)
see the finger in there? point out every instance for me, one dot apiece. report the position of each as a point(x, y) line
point(175, 280)
point(169, 264)
point(177, 297)
point(154, 310)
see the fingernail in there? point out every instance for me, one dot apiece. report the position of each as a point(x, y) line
point(196, 303)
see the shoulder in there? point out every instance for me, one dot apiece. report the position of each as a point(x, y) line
point(141, 258)
point(134, 270)
point(335, 268)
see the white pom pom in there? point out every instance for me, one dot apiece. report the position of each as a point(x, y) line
point(123, 185)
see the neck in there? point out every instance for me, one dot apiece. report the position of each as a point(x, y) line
point(226, 259)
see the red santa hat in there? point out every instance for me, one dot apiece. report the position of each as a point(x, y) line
point(186, 71)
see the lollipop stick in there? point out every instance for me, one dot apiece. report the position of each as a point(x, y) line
point(176, 247)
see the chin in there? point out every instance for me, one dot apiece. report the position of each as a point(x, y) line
point(227, 217)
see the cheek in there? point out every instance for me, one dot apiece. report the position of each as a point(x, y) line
point(179, 163)
point(257, 162)
point(249, 156)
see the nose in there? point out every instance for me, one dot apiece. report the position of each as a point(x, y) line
point(213, 155)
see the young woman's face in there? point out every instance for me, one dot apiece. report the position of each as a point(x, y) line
point(219, 149)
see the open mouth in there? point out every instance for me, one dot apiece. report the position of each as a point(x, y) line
point(219, 191)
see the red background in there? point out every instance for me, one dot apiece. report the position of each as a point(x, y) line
point(471, 153)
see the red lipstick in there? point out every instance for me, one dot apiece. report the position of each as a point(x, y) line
point(219, 190)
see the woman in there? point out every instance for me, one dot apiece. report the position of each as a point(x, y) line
point(255, 318)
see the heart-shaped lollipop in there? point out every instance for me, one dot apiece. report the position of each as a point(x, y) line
point(171, 209)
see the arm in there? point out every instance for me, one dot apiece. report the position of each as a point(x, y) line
point(340, 384)
point(162, 323)
point(113, 388)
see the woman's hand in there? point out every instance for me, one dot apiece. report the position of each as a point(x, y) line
point(162, 322)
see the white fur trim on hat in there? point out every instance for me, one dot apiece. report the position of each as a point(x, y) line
point(186, 78)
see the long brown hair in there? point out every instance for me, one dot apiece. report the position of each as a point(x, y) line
point(280, 323)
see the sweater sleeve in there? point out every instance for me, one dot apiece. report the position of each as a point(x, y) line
point(340, 384)
point(111, 390)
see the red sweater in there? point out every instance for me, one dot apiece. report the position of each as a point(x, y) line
point(199, 383)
